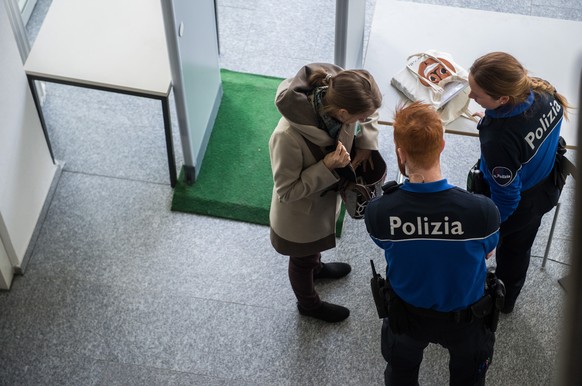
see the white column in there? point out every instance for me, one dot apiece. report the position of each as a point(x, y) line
point(350, 24)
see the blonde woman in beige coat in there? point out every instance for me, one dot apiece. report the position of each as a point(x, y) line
point(322, 106)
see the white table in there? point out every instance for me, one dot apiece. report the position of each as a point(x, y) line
point(553, 52)
point(110, 45)
point(399, 29)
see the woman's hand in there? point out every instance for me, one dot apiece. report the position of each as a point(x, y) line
point(337, 158)
point(363, 157)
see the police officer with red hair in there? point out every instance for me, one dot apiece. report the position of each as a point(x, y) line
point(436, 239)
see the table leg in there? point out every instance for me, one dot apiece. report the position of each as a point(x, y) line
point(169, 141)
point(551, 235)
point(36, 99)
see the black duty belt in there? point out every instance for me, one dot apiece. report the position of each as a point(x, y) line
point(465, 315)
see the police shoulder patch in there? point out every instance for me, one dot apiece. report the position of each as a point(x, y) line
point(502, 175)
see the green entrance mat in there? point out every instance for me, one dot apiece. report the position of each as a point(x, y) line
point(235, 180)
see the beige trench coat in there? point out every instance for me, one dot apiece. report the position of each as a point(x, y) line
point(303, 217)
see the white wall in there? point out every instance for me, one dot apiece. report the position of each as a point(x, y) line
point(26, 167)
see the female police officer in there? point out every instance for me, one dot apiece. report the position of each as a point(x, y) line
point(519, 136)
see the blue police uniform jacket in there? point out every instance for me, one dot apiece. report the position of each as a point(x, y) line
point(518, 148)
point(435, 237)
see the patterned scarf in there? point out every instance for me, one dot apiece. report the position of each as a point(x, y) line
point(329, 124)
point(332, 127)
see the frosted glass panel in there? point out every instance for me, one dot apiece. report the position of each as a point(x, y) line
point(193, 50)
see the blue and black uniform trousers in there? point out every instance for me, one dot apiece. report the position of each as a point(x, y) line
point(517, 235)
point(467, 339)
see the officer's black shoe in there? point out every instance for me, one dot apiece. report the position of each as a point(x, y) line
point(332, 271)
point(327, 312)
point(507, 308)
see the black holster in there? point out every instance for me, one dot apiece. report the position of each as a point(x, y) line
point(381, 291)
point(490, 305)
point(476, 181)
point(563, 166)
point(388, 304)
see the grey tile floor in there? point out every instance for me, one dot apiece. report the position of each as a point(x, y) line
point(119, 290)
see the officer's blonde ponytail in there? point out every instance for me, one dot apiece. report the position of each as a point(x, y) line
point(500, 74)
point(540, 86)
